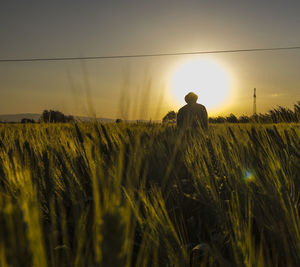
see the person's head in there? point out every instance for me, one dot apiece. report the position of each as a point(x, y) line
point(191, 98)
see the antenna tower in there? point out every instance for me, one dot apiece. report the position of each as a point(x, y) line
point(254, 102)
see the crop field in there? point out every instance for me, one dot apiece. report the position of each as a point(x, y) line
point(91, 194)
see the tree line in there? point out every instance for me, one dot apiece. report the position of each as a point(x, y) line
point(52, 116)
point(276, 115)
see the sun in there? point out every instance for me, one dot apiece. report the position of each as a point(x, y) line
point(205, 78)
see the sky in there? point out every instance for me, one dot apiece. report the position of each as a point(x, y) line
point(140, 88)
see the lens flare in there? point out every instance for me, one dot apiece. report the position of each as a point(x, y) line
point(248, 176)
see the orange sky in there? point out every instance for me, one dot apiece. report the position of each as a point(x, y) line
point(139, 88)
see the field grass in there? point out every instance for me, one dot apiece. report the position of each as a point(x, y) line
point(90, 194)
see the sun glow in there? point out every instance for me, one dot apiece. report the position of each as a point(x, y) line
point(205, 78)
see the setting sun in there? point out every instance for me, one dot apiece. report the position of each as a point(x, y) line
point(205, 78)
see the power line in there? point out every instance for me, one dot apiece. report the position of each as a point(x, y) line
point(3, 60)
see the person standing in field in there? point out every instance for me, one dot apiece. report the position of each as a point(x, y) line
point(192, 115)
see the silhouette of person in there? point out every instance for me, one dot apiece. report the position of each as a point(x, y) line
point(192, 115)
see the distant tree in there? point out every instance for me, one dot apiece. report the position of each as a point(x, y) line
point(55, 116)
point(119, 120)
point(211, 120)
point(244, 119)
point(262, 118)
point(170, 117)
point(25, 120)
point(232, 118)
point(218, 119)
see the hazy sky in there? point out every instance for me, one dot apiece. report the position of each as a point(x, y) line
point(140, 88)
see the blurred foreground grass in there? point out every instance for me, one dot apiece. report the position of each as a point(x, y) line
point(145, 195)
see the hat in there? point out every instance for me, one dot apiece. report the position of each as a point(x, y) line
point(191, 98)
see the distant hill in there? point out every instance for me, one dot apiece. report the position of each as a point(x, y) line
point(36, 117)
point(19, 117)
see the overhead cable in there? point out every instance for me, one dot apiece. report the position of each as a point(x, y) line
point(3, 60)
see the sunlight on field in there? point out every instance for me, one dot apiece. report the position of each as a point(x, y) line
point(91, 194)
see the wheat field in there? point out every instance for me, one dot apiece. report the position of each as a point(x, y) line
point(91, 194)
